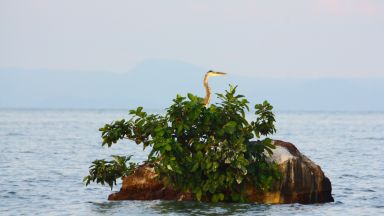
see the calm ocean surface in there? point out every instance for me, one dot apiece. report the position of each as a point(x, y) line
point(44, 155)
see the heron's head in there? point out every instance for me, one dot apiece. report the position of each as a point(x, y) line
point(214, 73)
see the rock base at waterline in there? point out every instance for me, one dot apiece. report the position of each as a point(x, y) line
point(302, 182)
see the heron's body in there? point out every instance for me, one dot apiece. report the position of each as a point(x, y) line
point(207, 98)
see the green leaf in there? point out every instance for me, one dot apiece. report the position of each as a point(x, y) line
point(195, 167)
point(221, 196)
point(168, 147)
point(198, 195)
point(192, 97)
point(230, 127)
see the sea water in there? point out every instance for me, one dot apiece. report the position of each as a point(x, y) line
point(44, 155)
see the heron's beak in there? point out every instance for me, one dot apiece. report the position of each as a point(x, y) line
point(215, 73)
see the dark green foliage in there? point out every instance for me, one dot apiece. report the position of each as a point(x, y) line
point(103, 171)
point(205, 150)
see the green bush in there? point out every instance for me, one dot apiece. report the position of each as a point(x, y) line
point(103, 171)
point(205, 150)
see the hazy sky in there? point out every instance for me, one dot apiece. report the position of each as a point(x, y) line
point(324, 38)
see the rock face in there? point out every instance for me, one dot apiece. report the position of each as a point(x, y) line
point(302, 182)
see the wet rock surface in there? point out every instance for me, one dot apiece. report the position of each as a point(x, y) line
point(302, 182)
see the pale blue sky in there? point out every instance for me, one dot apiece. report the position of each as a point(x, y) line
point(310, 39)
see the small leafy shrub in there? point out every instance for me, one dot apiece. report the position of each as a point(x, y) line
point(205, 150)
point(103, 171)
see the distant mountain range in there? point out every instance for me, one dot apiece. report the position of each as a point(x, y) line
point(154, 83)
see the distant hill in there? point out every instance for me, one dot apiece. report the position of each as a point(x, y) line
point(154, 83)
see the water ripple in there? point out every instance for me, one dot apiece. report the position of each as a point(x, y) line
point(44, 156)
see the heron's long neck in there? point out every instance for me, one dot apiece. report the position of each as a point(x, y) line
point(207, 91)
